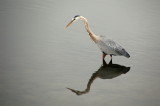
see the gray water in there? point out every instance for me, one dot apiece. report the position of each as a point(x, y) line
point(39, 59)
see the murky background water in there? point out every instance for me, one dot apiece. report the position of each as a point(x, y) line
point(39, 58)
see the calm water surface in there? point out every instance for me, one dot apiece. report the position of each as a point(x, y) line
point(39, 59)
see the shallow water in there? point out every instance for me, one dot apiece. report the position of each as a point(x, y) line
point(39, 59)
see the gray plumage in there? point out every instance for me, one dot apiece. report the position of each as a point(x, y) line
point(110, 47)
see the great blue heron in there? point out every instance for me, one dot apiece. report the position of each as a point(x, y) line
point(107, 46)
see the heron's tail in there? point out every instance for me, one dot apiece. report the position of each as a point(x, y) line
point(126, 54)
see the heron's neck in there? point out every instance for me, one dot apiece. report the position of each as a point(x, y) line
point(91, 34)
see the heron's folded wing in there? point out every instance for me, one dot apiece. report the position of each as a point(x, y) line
point(114, 46)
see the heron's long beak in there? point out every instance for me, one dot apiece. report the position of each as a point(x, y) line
point(70, 23)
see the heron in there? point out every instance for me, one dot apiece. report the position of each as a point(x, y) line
point(107, 46)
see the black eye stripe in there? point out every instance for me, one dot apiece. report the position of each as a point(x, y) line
point(76, 16)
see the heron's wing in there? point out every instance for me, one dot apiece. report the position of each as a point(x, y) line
point(114, 46)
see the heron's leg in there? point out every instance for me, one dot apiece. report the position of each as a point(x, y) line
point(103, 56)
point(103, 60)
point(111, 57)
point(104, 63)
point(110, 62)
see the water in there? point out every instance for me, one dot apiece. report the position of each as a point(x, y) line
point(39, 59)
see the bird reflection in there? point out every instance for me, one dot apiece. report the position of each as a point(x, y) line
point(106, 71)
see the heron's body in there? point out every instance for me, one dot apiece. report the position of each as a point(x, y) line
point(110, 47)
point(107, 46)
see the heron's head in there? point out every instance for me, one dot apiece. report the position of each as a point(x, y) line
point(77, 17)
